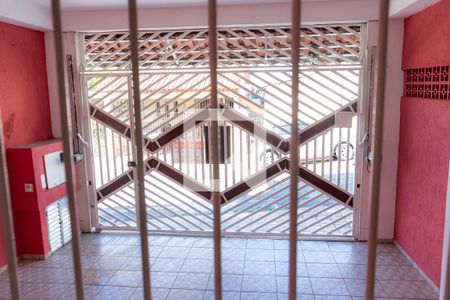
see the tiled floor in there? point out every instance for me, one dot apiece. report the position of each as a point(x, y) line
point(252, 269)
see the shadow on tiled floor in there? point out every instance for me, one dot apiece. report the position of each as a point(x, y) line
point(252, 269)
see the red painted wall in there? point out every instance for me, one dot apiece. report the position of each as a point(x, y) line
point(24, 103)
point(424, 150)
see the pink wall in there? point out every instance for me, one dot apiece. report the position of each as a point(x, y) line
point(24, 100)
point(424, 149)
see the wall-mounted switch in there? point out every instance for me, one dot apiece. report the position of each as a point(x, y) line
point(29, 188)
point(43, 182)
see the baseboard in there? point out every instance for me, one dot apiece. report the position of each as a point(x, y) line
point(413, 263)
point(34, 256)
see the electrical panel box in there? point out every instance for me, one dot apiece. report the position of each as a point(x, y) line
point(54, 169)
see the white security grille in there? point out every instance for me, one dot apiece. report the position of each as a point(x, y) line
point(240, 47)
point(254, 88)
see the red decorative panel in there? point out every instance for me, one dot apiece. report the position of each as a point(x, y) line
point(428, 83)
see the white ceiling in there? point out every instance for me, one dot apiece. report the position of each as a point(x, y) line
point(116, 4)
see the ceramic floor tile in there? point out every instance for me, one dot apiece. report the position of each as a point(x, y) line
point(129, 240)
point(122, 250)
point(318, 257)
point(97, 277)
point(397, 273)
point(356, 258)
point(402, 289)
point(233, 266)
point(281, 255)
point(109, 262)
point(100, 239)
point(126, 278)
point(201, 253)
point(163, 279)
point(134, 263)
point(283, 296)
point(427, 290)
point(154, 251)
point(282, 269)
point(95, 250)
point(357, 288)
point(115, 293)
point(258, 283)
point(259, 268)
point(43, 291)
point(158, 240)
point(259, 255)
point(230, 282)
point(65, 276)
point(90, 291)
point(174, 252)
point(233, 254)
point(328, 297)
point(323, 270)
point(181, 241)
point(329, 286)
point(260, 244)
point(234, 243)
point(209, 295)
point(168, 265)
point(313, 246)
point(114, 260)
point(281, 244)
point(157, 294)
point(197, 266)
point(343, 246)
point(258, 296)
point(203, 243)
point(191, 281)
point(303, 285)
point(177, 294)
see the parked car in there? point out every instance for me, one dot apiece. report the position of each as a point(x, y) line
point(342, 149)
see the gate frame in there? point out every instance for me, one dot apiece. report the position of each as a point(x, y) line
point(361, 176)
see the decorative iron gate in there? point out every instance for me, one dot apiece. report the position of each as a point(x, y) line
point(254, 91)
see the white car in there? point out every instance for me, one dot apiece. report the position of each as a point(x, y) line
point(342, 149)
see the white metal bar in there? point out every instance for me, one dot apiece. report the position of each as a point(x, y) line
point(214, 143)
point(66, 121)
point(378, 144)
point(140, 167)
point(293, 165)
point(7, 221)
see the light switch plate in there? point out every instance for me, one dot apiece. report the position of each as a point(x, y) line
point(29, 188)
point(43, 182)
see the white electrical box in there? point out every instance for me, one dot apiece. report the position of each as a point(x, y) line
point(54, 169)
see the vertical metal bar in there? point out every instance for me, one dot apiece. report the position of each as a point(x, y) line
point(100, 160)
point(445, 270)
point(378, 144)
point(67, 142)
point(140, 167)
point(347, 163)
point(214, 146)
point(293, 166)
point(7, 225)
point(338, 154)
